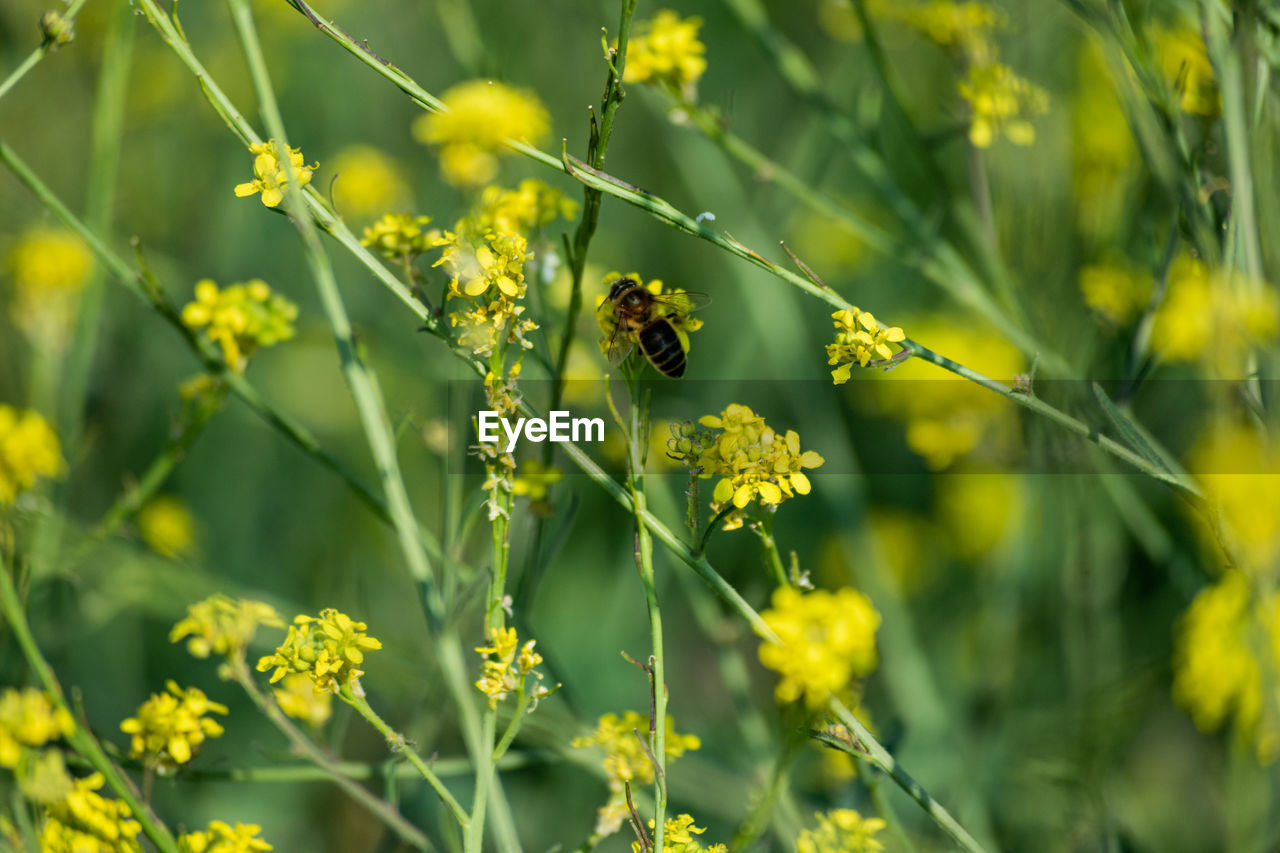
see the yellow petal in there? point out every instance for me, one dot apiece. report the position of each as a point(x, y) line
point(272, 197)
point(246, 189)
point(770, 493)
point(742, 496)
point(800, 483)
point(723, 491)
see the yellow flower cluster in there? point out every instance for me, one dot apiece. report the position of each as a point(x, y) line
point(240, 318)
point(367, 181)
point(507, 666)
point(270, 176)
point(1116, 293)
point(1225, 659)
point(528, 207)
point(1002, 102)
point(167, 527)
point(480, 116)
point(218, 625)
point(859, 339)
point(842, 831)
point(171, 726)
point(753, 461)
point(298, 698)
point(86, 822)
point(29, 450)
point(1239, 469)
point(961, 27)
point(399, 236)
point(29, 719)
point(487, 272)
point(826, 640)
point(329, 649)
point(665, 50)
point(221, 837)
point(625, 759)
point(49, 267)
point(678, 837)
point(1213, 316)
point(1185, 64)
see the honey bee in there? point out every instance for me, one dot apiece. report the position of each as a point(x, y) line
point(653, 321)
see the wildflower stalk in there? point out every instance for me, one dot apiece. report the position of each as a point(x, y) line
point(47, 46)
point(772, 559)
point(330, 769)
point(399, 745)
point(80, 739)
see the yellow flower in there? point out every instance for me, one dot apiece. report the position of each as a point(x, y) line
point(220, 837)
point(1240, 472)
point(859, 338)
point(28, 451)
point(29, 718)
point(49, 267)
point(367, 181)
point(1114, 291)
point(494, 264)
point(507, 667)
point(533, 480)
point(841, 831)
point(753, 461)
point(87, 822)
point(978, 510)
point(1212, 316)
point(1225, 657)
point(1185, 65)
point(666, 50)
point(240, 318)
point(625, 760)
point(826, 640)
point(399, 235)
point(480, 117)
point(678, 837)
point(1002, 102)
point(223, 627)
point(963, 27)
point(298, 699)
point(329, 649)
point(531, 205)
point(167, 527)
point(171, 726)
point(270, 176)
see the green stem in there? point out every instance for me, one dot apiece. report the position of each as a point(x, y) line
point(772, 559)
point(81, 739)
point(331, 769)
point(398, 745)
point(33, 59)
point(473, 838)
point(754, 825)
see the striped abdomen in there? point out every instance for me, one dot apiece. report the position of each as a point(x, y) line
point(661, 345)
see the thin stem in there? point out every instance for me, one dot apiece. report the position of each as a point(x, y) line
point(46, 47)
point(772, 559)
point(81, 739)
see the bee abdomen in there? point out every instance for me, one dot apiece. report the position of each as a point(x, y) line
point(661, 345)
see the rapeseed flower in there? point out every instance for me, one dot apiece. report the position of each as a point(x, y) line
point(842, 831)
point(29, 719)
point(665, 49)
point(367, 181)
point(86, 822)
point(964, 28)
point(522, 210)
point(166, 525)
point(1239, 469)
point(1001, 103)
point(825, 641)
point(50, 267)
point(678, 837)
point(221, 837)
point(171, 726)
point(399, 236)
point(328, 648)
point(479, 118)
point(1185, 64)
point(270, 176)
point(240, 318)
point(1213, 316)
point(859, 339)
point(29, 451)
point(297, 698)
point(507, 666)
point(218, 625)
point(1116, 293)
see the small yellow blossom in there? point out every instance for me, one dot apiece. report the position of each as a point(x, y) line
point(665, 49)
point(478, 119)
point(1239, 469)
point(1213, 316)
point(329, 649)
point(625, 760)
point(270, 176)
point(87, 822)
point(1185, 65)
point(29, 718)
point(29, 450)
point(1225, 657)
point(221, 837)
point(223, 627)
point(49, 267)
point(528, 207)
point(366, 181)
point(167, 527)
point(977, 511)
point(533, 480)
point(496, 263)
point(56, 29)
point(507, 667)
point(298, 698)
point(1114, 291)
point(1002, 102)
point(678, 837)
point(859, 339)
point(965, 28)
point(827, 639)
point(399, 236)
point(171, 726)
point(240, 318)
point(842, 831)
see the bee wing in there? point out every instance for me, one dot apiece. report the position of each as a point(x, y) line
point(618, 347)
point(685, 301)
